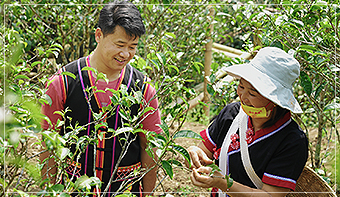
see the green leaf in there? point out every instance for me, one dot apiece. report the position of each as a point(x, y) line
point(46, 99)
point(168, 168)
point(123, 115)
point(57, 45)
point(173, 67)
point(82, 182)
point(65, 195)
point(102, 76)
point(36, 63)
point(155, 64)
point(190, 80)
point(148, 109)
point(59, 113)
point(187, 134)
point(63, 152)
point(332, 106)
point(123, 130)
point(183, 152)
point(49, 82)
point(21, 193)
point(21, 82)
point(197, 66)
point(276, 43)
point(161, 138)
point(82, 141)
point(175, 162)
point(214, 66)
point(58, 188)
point(101, 91)
point(170, 35)
point(141, 63)
point(179, 55)
point(298, 23)
point(306, 83)
point(21, 77)
point(318, 90)
point(89, 68)
point(96, 181)
point(308, 48)
point(68, 74)
point(165, 128)
point(161, 58)
point(214, 168)
point(168, 44)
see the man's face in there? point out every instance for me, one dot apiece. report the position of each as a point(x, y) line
point(116, 49)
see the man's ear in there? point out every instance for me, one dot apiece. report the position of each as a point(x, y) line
point(98, 34)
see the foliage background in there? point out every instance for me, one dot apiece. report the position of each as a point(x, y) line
point(39, 37)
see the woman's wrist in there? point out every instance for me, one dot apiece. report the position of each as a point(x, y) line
point(230, 181)
point(226, 183)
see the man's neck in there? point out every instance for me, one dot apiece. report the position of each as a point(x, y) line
point(96, 63)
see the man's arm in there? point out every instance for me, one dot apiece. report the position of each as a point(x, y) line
point(55, 93)
point(149, 180)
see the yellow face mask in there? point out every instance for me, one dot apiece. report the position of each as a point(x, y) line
point(256, 112)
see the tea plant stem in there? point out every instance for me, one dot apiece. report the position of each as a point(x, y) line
point(160, 183)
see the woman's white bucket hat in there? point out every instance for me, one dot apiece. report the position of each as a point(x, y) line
point(272, 73)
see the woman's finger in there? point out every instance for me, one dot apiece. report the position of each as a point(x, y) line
point(206, 160)
point(204, 169)
point(198, 180)
point(195, 156)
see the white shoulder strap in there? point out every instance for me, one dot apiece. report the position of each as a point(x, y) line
point(224, 149)
point(240, 121)
point(245, 154)
point(225, 146)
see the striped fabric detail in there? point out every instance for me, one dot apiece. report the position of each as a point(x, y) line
point(263, 137)
point(100, 156)
point(145, 86)
point(208, 142)
point(272, 133)
point(124, 171)
point(121, 77)
point(278, 181)
point(63, 83)
point(89, 115)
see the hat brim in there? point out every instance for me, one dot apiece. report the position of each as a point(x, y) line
point(266, 86)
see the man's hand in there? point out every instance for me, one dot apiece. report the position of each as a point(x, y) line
point(49, 170)
point(149, 180)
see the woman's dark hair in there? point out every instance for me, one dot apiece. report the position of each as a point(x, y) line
point(122, 13)
point(278, 113)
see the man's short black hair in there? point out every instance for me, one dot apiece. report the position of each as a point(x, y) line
point(122, 13)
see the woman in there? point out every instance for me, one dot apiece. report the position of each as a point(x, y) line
point(274, 144)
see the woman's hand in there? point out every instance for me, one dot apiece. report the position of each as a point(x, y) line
point(198, 157)
point(200, 177)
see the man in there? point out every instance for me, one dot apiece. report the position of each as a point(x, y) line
point(119, 29)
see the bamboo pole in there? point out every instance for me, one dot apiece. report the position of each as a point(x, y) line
point(230, 52)
point(207, 62)
point(228, 49)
